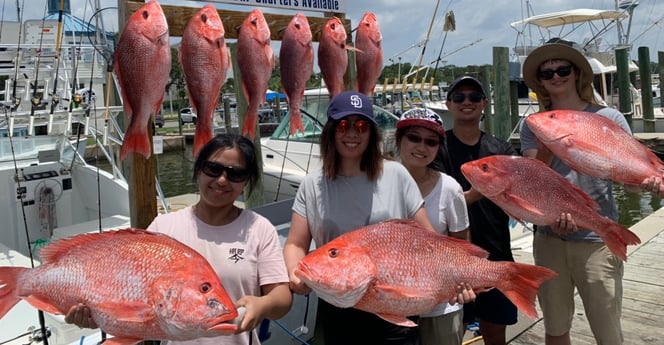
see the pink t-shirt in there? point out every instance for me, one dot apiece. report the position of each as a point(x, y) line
point(245, 253)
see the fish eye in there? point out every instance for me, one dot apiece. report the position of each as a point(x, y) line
point(333, 252)
point(484, 167)
point(206, 287)
point(204, 18)
point(552, 115)
point(145, 14)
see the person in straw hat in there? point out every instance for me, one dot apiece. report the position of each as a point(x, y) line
point(562, 78)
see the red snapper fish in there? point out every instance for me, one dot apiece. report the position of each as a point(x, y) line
point(333, 55)
point(594, 145)
point(527, 189)
point(139, 285)
point(142, 63)
point(394, 269)
point(296, 63)
point(256, 61)
point(205, 59)
point(369, 57)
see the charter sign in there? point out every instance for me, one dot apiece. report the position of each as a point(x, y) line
point(337, 6)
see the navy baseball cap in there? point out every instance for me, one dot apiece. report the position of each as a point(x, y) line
point(350, 103)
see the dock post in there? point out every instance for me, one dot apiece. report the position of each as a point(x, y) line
point(646, 90)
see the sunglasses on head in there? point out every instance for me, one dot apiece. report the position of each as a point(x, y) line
point(547, 74)
point(475, 97)
point(233, 174)
point(416, 139)
point(361, 126)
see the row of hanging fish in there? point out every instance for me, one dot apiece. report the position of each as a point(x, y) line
point(142, 64)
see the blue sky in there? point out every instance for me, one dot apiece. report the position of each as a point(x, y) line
point(480, 24)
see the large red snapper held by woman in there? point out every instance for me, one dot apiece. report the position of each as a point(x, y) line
point(369, 57)
point(139, 285)
point(397, 268)
point(296, 63)
point(142, 63)
point(205, 59)
point(595, 145)
point(256, 60)
point(333, 55)
point(527, 189)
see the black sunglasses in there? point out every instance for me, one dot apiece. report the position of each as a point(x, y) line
point(547, 74)
point(416, 139)
point(233, 174)
point(475, 97)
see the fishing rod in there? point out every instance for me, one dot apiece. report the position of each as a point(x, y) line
point(36, 101)
point(2, 20)
point(55, 99)
point(433, 18)
point(16, 101)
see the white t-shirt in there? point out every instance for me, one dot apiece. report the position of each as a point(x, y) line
point(447, 212)
point(246, 254)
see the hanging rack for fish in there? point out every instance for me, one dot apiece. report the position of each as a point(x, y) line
point(47, 193)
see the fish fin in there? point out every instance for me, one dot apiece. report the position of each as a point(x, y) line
point(121, 341)
point(224, 327)
point(132, 312)
point(8, 296)
point(523, 204)
point(42, 304)
point(296, 122)
point(391, 292)
point(521, 283)
point(136, 140)
point(202, 135)
point(397, 320)
point(617, 238)
point(54, 250)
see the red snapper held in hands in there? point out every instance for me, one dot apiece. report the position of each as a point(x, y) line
point(205, 59)
point(142, 63)
point(527, 189)
point(256, 61)
point(369, 57)
point(396, 268)
point(296, 59)
point(595, 145)
point(139, 285)
point(333, 55)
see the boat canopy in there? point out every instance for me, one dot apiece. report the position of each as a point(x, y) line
point(580, 15)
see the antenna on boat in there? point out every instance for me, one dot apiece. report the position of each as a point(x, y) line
point(424, 48)
point(36, 101)
point(55, 99)
point(450, 25)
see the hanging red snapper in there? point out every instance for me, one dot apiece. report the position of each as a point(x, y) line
point(529, 190)
point(296, 63)
point(139, 285)
point(256, 61)
point(395, 269)
point(205, 59)
point(369, 57)
point(595, 145)
point(142, 63)
point(333, 55)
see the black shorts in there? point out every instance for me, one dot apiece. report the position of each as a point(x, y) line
point(349, 326)
point(490, 306)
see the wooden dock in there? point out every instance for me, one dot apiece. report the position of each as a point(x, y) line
point(643, 301)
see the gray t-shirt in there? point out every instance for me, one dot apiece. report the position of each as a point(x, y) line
point(600, 190)
point(334, 207)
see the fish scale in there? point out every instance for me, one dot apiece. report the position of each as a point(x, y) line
point(396, 268)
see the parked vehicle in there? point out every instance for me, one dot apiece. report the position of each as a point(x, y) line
point(159, 119)
point(187, 115)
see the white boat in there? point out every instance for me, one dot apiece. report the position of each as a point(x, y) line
point(589, 28)
point(288, 158)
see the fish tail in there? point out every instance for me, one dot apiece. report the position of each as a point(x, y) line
point(136, 141)
point(8, 295)
point(617, 238)
point(249, 126)
point(522, 283)
point(296, 121)
point(202, 136)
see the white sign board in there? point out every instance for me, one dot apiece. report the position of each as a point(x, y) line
point(336, 6)
point(158, 144)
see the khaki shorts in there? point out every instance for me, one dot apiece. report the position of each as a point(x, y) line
point(596, 274)
point(445, 329)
